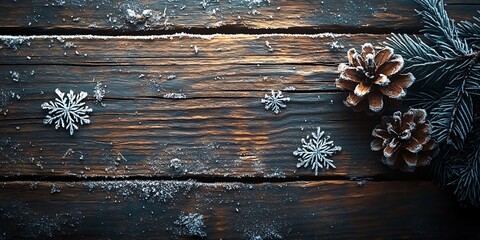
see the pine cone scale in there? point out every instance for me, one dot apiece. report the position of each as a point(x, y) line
point(391, 147)
point(403, 80)
point(353, 74)
point(408, 121)
point(424, 158)
point(348, 85)
point(413, 146)
point(367, 48)
point(394, 65)
point(383, 55)
point(381, 133)
point(430, 145)
point(382, 80)
point(422, 134)
point(393, 91)
point(351, 57)
point(353, 100)
point(410, 159)
point(362, 89)
point(376, 144)
point(420, 116)
point(375, 101)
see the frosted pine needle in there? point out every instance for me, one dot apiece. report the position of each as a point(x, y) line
point(67, 110)
point(315, 151)
point(275, 101)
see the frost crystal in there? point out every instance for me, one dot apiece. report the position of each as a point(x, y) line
point(191, 225)
point(275, 101)
point(99, 93)
point(316, 151)
point(66, 111)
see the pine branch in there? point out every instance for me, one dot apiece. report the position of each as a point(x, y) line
point(425, 62)
point(465, 172)
point(447, 70)
point(423, 99)
point(442, 164)
point(452, 118)
point(470, 32)
point(473, 86)
point(413, 50)
point(441, 30)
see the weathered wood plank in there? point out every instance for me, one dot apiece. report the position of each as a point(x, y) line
point(232, 137)
point(209, 16)
point(181, 49)
point(219, 130)
point(299, 210)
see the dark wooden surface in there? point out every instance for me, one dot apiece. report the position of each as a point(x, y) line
point(289, 210)
point(212, 16)
point(114, 177)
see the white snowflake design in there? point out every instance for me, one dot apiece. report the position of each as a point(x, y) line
point(315, 151)
point(66, 111)
point(275, 101)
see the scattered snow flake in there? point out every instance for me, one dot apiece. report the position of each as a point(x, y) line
point(289, 88)
point(176, 164)
point(147, 13)
point(99, 93)
point(54, 189)
point(335, 45)
point(191, 225)
point(316, 151)
point(67, 110)
point(174, 96)
point(67, 45)
point(13, 42)
point(15, 76)
point(267, 43)
point(275, 101)
point(133, 18)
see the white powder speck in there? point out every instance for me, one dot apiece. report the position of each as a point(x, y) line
point(15, 76)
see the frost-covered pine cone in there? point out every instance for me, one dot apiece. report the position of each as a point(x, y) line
point(371, 75)
point(404, 139)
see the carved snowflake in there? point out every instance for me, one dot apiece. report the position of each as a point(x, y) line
point(275, 101)
point(315, 151)
point(66, 111)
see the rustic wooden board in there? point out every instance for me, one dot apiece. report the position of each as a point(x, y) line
point(295, 210)
point(246, 183)
point(213, 16)
point(220, 130)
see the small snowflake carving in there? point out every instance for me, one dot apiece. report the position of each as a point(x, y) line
point(275, 101)
point(315, 151)
point(67, 110)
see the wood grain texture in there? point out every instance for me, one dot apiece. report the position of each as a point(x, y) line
point(297, 210)
point(219, 130)
point(208, 16)
point(247, 185)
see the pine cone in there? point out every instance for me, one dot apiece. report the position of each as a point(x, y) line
point(404, 139)
point(372, 75)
